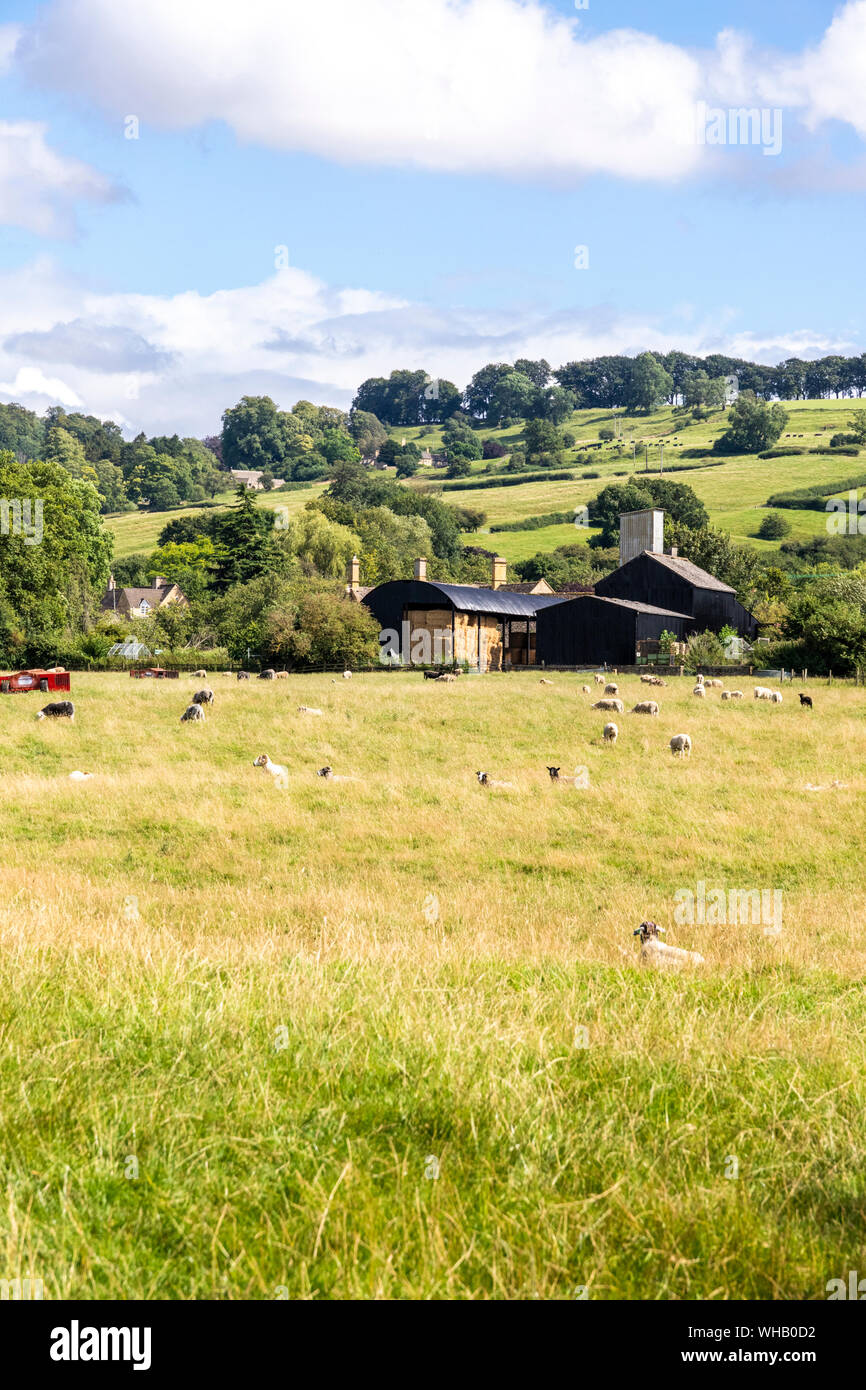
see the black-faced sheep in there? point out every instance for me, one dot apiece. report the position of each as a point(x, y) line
point(58, 709)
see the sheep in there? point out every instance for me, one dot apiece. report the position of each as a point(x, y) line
point(653, 680)
point(658, 953)
point(585, 690)
point(699, 679)
point(268, 674)
point(278, 772)
point(448, 676)
point(715, 683)
point(203, 697)
point(199, 675)
point(487, 781)
point(243, 675)
point(282, 675)
point(700, 692)
point(610, 733)
point(58, 709)
point(611, 688)
point(776, 697)
point(646, 707)
point(681, 744)
point(762, 693)
point(806, 700)
point(599, 680)
point(810, 786)
point(80, 776)
point(306, 709)
point(347, 675)
point(331, 776)
point(732, 694)
point(616, 705)
point(545, 682)
point(191, 714)
point(578, 780)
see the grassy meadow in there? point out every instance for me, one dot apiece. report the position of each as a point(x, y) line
point(389, 1038)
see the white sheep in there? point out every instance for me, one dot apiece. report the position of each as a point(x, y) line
point(331, 776)
point(347, 675)
point(200, 675)
point(646, 707)
point(776, 697)
point(658, 953)
point(762, 693)
point(487, 781)
point(616, 705)
point(585, 689)
point(699, 692)
point(580, 778)
point(715, 683)
point(611, 688)
point(545, 682)
point(681, 744)
point(278, 772)
point(611, 733)
point(80, 776)
point(599, 680)
point(307, 709)
point(282, 675)
point(699, 680)
point(732, 694)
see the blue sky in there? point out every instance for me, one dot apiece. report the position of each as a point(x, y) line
point(430, 182)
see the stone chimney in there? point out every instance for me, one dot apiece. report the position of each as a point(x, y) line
point(353, 573)
point(500, 571)
point(111, 584)
point(674, 552)
point(421, 568)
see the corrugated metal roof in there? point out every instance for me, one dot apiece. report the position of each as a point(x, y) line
point(633, 603)
point(468, 599)
point(693, 574)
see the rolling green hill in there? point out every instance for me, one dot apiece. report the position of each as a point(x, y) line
point(734, 491)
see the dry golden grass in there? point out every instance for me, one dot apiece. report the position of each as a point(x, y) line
point(248, 996)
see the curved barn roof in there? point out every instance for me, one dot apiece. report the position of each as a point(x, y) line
point(466, 598)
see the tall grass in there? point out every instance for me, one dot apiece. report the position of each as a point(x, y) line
point(242, 1029)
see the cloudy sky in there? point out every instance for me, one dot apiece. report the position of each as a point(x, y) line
point(201, 199)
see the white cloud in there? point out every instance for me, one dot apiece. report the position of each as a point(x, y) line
point(176, 362)
point(39, 187)
point(477, 86)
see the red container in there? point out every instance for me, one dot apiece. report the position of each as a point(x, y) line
point(22, 681)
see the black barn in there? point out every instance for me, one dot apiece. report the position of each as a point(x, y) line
point(595, 630)
point(672, 582)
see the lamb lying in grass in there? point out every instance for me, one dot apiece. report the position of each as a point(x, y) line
point(658, 953)
point(545, 682)
point(278, 772)
point(580, 778)
point(80, 776)
point(307, 709)
point(492, 785)
point(331, 776)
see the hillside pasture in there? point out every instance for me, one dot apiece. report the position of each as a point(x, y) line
point(389, 1038)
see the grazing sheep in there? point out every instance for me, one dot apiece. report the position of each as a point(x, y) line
point(806, 700)
point(243, 675)
point(658, 953)
point(646, 707)
point(700, 692)
point(203, 697)
point(306, 709)
point(681, 745)
point(762, 693)
point(715, 683)
point(732, 694)
point(80, 776)
point(487, 781)
point(347, 675)
point(599, 680)
point(610, 733)
point(615, 705)
point(611, 688)
point(545, 682)
point(191, 713)
point(448, 676)
point(699, 680)
point(585, 690)
point(58, 709)
point(200, 675)
point(282, 675)
point(268, 674)
point(776, 697)
point(275, 769)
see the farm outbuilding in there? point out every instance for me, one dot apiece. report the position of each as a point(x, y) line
point(423, 623)
point(590, 629)
point(674, 583)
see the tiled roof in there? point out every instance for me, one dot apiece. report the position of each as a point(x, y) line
point(693, 574)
